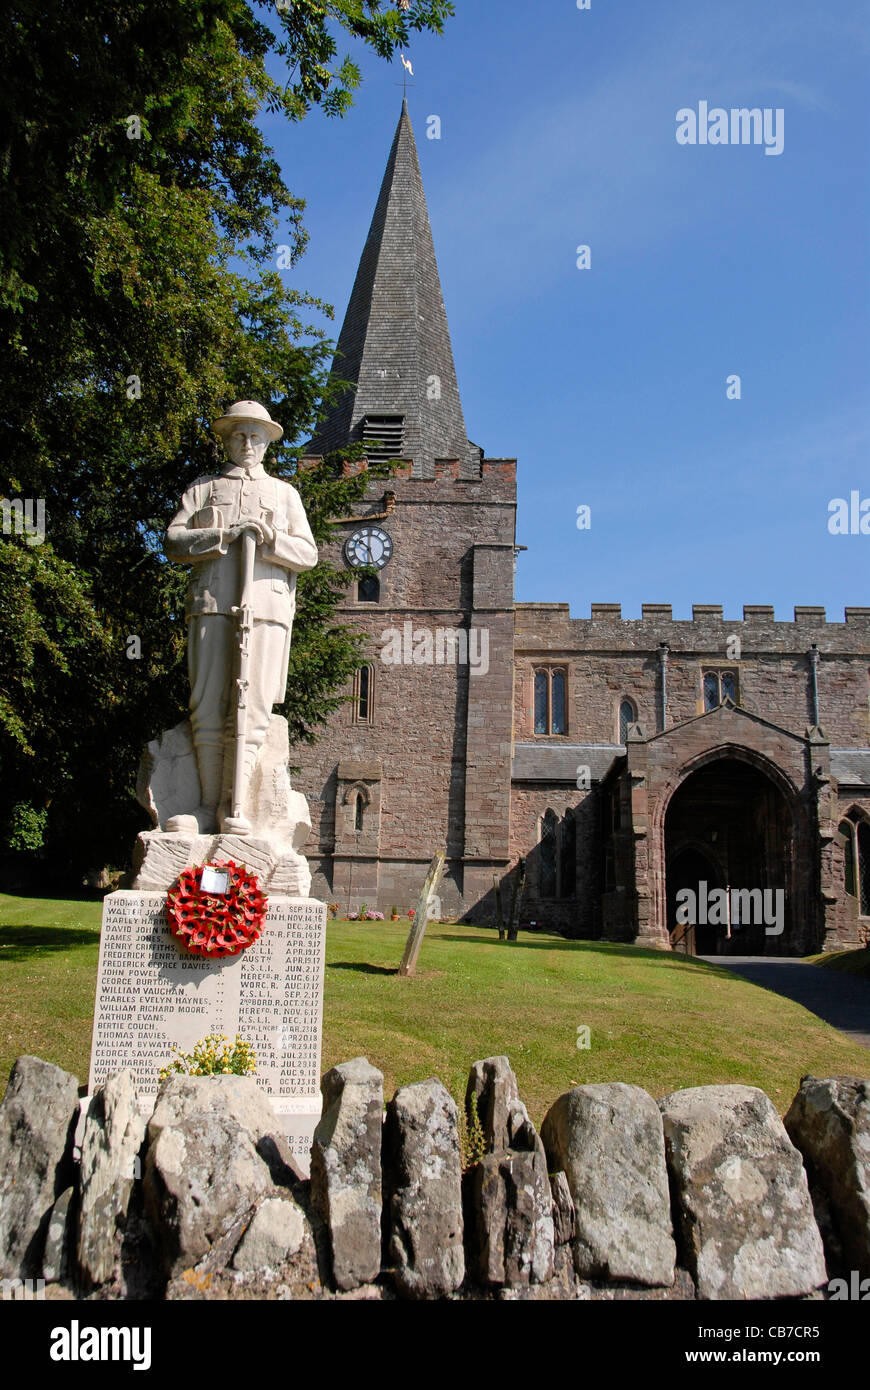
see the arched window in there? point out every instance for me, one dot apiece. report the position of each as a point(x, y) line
point(863, 839)
point(551, 701)
point(847, 829)
point(541, 703)
point(358, 812)
point(627, 715)
point(568, 857)
point(368, 589)
point(557, 703)
point(548, 855)
point(719, 686)
point(711, 690)
point(363, 695)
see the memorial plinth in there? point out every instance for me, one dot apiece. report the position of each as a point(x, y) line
point(152, 993)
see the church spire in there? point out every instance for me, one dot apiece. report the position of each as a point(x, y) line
point(394, 344)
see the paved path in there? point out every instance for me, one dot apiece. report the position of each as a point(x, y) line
point(840, 999)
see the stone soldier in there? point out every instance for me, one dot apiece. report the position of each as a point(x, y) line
point(205, 533)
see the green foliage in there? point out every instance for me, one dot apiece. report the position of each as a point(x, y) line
point(213, 1056)
point(139, 295)
point(26, 827)
point(472, 1140)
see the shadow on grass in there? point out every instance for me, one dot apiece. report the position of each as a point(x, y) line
point(20, 943)
point(363, 967)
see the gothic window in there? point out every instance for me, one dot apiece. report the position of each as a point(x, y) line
point(558, 855)
point(548, 855)
point(568, 857)
point(856, 859)
point(368, 589)
point(362, 703)
point(863, 839)
point(846, 828)
point(551, 702)
point(627, 715)
point(358, 812)
point(541, 702)
point(719, 686)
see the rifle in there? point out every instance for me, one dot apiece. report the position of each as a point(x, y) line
point(244, 615)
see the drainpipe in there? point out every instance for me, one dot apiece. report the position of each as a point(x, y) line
point(663, 665)
point(813, 655)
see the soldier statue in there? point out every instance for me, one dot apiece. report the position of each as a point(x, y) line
point(246, 536)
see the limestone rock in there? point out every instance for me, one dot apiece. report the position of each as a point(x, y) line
point(493, 1088)
point(509, 1207)
point(424, 1174)
point(346, 1170)
point(746, 1222)
point(829, 1122)
point(564, 1218)
point(57, 1260)
point(238, 1098)
point(608, 1140)
point(159, 857)
point(38, 1116)
point(168, 785)
point(273, 1237)
point(113, 1135)
point(201, 1176)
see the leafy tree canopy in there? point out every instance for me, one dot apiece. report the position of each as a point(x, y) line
point(139, 295)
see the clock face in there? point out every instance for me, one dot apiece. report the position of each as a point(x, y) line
point(370, 545)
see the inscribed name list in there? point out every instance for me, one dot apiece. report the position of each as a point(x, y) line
point(152, 993)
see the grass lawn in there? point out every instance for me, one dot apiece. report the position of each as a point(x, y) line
point(849, 962)
point(658, 1021)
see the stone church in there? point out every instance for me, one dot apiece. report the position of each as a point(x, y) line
point(608, 763)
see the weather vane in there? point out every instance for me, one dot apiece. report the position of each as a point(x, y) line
point(406, 65)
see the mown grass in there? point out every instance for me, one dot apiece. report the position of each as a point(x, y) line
point(848, 962)
point(657, 1021)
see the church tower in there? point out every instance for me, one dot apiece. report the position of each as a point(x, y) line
point(419, 758)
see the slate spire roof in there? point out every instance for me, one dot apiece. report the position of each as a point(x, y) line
point(395, 344)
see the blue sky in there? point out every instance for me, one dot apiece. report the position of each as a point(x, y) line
point(609, 384)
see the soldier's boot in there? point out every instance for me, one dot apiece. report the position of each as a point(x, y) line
point(203, 821)
point(241, 825)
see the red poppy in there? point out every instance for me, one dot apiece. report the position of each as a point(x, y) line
point(211, 925)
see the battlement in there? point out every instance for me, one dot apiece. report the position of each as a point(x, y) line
point(446, 471)
point(662, 613)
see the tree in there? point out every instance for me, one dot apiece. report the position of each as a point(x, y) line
point(138, 296)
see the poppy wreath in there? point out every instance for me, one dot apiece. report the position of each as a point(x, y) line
point(211, 924)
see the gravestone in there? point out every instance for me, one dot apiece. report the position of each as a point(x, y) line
point(152, 993)
point(424, 912)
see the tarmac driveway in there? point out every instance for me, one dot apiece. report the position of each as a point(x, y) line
point(841, 1000)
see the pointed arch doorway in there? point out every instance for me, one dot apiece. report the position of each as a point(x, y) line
point(730, 825)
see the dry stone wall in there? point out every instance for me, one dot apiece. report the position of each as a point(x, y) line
point(705, 1194)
